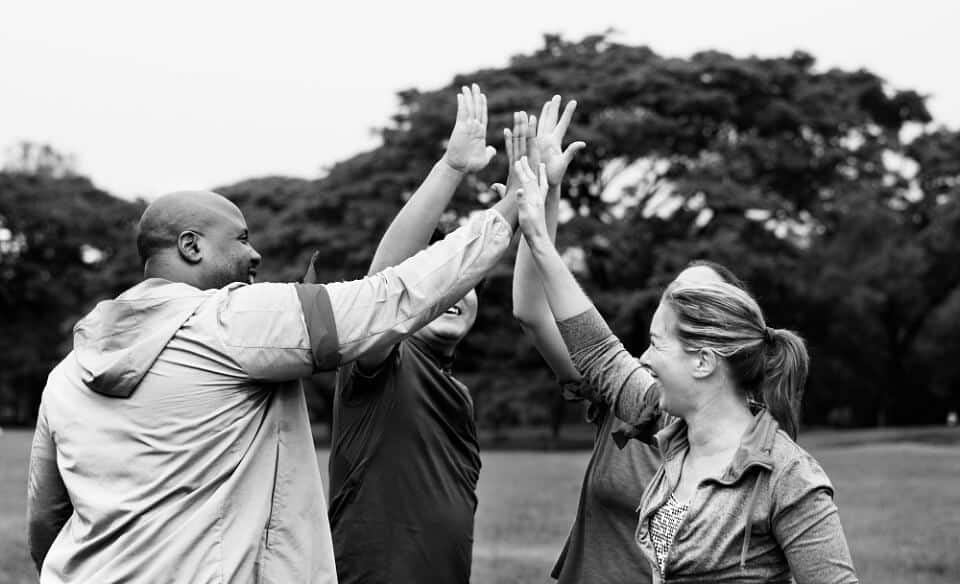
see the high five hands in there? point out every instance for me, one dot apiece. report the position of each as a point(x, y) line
point(467, 149)
point(541, 141)
point(536, 158)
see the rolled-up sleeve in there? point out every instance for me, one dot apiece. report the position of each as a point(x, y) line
point(381, 309)
point(48, 503)
point(611, 374)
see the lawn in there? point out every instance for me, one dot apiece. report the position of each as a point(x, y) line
point(898, 493)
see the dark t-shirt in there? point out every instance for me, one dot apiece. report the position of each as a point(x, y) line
point(404, 464)
point(601, 547)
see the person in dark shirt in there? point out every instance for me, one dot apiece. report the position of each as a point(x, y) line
point(404, 459)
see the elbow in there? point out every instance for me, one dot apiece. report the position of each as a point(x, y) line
point(530, 323)
point(521, 317)
point(531, 319)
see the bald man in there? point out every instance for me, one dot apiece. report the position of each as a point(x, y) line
point(173, 444)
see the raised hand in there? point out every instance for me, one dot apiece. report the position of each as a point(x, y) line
point(530, 201)
point(467, 149)
point(550, 132)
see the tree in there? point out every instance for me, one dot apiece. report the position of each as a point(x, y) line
point(64, 244)
point(767, 165)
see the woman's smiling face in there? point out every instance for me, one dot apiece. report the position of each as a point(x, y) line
point(666, 357)
point(669, 362)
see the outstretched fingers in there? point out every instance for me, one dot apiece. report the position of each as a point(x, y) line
point(528, 177)
point(461, 109)
point(467, 101)
point(533, 145)
point(519, 135)
point(564, 122)
point(483, 111)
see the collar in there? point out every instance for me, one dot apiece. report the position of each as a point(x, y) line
point(755, 449)
point(443, 362)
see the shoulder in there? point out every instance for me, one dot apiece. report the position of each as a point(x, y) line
point(267, 296)
point(357, 384)
point(255, 310)
point(796, 472)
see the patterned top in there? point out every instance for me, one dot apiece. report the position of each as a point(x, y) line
point(663, 526)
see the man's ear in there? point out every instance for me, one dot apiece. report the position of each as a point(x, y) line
point(188, 244)
point(705, 363)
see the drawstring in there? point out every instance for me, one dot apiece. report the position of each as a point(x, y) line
point(747, 529)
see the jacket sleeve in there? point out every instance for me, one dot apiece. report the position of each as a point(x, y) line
point(48, 505)
point(381, 309)
point(612, 375)
point(807, 526)
point(280, 332)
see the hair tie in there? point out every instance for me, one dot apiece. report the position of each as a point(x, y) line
point(768, 335)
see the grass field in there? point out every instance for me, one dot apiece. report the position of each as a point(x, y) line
point(898, 493)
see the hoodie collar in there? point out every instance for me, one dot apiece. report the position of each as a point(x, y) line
point(118, 342)
point(755, 448)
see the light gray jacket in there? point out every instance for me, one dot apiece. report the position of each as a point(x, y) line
point(173, 443)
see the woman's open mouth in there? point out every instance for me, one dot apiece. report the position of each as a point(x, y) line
point(454, 310)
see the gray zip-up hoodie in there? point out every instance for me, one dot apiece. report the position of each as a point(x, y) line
point(770, 517)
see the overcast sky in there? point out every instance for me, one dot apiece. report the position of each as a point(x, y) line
point(193, 94)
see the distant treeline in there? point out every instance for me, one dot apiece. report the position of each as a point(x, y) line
point(833, 195)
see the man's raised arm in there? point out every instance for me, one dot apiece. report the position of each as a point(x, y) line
point(346, 320)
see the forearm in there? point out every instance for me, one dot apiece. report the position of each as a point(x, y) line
point(48, 504)
point(564, 295)
point(410, 230)
point(611, 374)
point(530, 303)
point(381, 309)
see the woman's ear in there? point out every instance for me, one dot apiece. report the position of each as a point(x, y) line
point(188, 244)
point(706, 362)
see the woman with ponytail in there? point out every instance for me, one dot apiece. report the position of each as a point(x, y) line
point(735, 498)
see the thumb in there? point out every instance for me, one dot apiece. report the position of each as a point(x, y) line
point(490, 152)
point(499, 188)
point(572, 150)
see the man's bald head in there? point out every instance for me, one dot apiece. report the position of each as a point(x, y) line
point(170, 215)
point(198, 237)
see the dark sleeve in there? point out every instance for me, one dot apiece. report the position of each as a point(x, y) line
point(48, 504)
point(321, 326)
point(356, 385)
point(807, 526)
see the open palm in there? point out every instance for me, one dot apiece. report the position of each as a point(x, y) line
point(467, 149)
point(551, 129)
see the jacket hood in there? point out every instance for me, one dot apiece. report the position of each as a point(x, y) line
point(118, 342)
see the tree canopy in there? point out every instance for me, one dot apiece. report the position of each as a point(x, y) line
point(831, 193)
